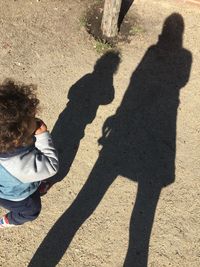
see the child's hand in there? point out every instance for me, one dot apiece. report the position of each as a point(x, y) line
point(41, 127)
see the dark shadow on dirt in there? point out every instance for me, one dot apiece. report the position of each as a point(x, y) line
point(126, 4)
point(85, 96)
point(138, 142)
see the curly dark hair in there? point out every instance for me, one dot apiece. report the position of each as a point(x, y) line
point(18, 106)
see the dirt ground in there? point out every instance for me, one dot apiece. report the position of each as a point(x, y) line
point(89, 221)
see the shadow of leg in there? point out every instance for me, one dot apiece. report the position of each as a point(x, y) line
point(61, 234)
point(141, 225)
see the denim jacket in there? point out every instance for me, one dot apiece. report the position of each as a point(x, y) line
point(22, 170)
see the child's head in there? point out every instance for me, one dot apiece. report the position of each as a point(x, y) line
point(18, 106)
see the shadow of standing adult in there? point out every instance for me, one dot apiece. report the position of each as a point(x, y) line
point(85, 96)
point(154, 90)
point(139, 143)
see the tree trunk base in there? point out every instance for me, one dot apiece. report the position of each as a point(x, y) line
point(109, 25)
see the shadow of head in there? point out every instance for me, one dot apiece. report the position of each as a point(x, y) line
point(108, 63)
point(172, 32)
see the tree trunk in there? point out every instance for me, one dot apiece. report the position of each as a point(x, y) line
point(109, 24)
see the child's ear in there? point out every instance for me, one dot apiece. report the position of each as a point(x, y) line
point(39, 123)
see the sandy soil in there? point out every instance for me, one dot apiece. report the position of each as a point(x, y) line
point(89, 221)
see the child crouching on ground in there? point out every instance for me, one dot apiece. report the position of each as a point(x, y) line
point(27, 154)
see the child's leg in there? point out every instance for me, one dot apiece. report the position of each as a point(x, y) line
point(24, 210)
